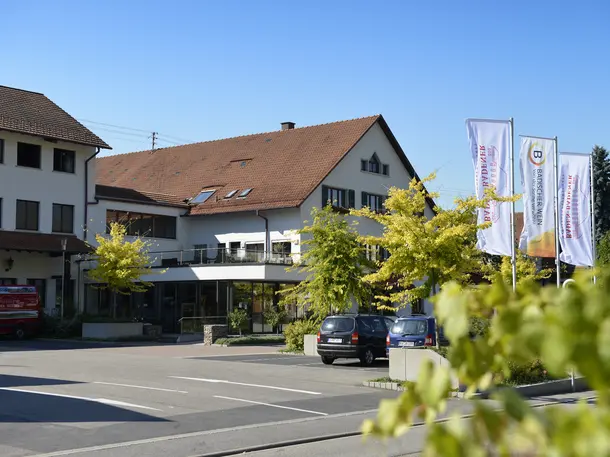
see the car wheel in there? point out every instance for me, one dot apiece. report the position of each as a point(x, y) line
point(367, 358)
point(20, 332)
point(327, 360)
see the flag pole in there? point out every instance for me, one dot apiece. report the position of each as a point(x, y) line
point(556, 189)
point(513, 253)
point(593, 241)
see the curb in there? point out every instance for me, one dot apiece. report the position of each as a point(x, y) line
point(561, 386)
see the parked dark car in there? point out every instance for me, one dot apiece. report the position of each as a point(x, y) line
point(413, 332)
point(353, 336)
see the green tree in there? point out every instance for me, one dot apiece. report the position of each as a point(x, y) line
point(424, 252)
point(603, 250)
point(120, 263)
point(527, 270)
point(238, 318)
point(601, 181)
point(565, 328)
point(275, 315)
point(335, 263)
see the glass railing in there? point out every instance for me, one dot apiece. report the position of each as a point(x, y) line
point(214, 256)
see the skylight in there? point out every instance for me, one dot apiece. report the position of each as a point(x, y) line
point(245, 193)
point(230, 194)
point(202, 197)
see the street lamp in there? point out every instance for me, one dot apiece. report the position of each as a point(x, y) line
point(64, 244)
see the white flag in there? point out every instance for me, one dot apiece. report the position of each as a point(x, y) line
point(489, 145)
point(575, 231)
point(537, 160)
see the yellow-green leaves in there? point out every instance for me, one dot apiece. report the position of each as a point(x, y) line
point(119, 263)
point(564, 328)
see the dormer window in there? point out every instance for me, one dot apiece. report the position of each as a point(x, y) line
point(202, 197)
point(244, 193)
point(230, 194)
point(374, 165)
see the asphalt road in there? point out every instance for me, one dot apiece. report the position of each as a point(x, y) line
point(85, 399)
point(59, 399)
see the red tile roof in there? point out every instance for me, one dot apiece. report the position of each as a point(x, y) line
point(33, 113)
point(135, 196)
point(282, 167)
point(41, 242)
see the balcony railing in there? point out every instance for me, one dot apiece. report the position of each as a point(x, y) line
point(214, 256)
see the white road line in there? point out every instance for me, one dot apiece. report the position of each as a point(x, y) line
point(220, 381)
point(181, 436)
point(271, 405)
point(140, 387)
point(96, 400)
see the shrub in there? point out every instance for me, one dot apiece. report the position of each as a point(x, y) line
point(238, 318)
point(274, 316)
point(53, 327)
point(295, 331)
point(527, 373)
point(478, 326)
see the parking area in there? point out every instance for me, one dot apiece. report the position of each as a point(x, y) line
point(58, 398)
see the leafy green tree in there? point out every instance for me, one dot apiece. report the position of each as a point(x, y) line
point(564, 328)
point(603, 250)
point(424, 252)
point(275, 315)
point(120, 263)
point(601, 181)
point(527, 270)
point(335, 263)
point(238, 318)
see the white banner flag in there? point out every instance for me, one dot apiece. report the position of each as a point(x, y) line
point(537, 160)
point(575, 210)
point(489, 145)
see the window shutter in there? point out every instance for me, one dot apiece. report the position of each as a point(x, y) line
point(363, 165)
point(365, 199)
point(351, 198)
point(386, 170)
point(324, 196)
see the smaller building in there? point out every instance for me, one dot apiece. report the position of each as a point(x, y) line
point(47, 175)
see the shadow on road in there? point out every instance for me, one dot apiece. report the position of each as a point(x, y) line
point(8, 380)
point(7, 345)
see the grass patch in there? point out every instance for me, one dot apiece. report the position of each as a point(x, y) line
point(251, 340)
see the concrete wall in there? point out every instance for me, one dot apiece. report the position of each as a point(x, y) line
point(405, 364)
point(43, 185)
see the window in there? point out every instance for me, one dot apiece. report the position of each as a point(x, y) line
point(27, 215)
point(230, 194)
point(28, 155)
point(8, 281)
point(200, 253)
point(373, 201)
point(63, 160)
point(338, 198)
point(1, 150)
point(282, 248)
point(244, 193)
point(63, 218)
point(202, 197)
point(376, 253)
point(374, 165)
point(144, 225)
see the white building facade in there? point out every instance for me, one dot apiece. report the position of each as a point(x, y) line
point(47, 172)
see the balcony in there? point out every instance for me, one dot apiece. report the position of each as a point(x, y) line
point(214, 256)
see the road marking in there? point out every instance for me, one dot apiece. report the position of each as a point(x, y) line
point(181, 436)
point(220, 381)
point(105, 401)
point(140, 387)
point(272, 405)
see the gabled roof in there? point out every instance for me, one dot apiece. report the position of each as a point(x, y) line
point(33, 113)
point(282, 167)
point(136, 196)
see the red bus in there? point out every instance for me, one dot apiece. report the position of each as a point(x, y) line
point(20, 311)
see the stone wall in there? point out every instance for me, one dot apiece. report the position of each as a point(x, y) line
point(212, 332)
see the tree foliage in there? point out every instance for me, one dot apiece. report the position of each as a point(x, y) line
point(565, 328)
point(424, 252)
point(527, 270)
point(335, 263)
point(601, 181)
point(238, 318)
point(603, 250)
point(120, 263)
point(275, 315)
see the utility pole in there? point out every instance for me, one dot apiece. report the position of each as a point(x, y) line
point(154, 140)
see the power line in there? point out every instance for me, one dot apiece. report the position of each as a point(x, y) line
point(139, 135)
point(170, 137)
point(114, 125)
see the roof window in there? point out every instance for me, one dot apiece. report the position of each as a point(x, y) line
point(230, 194)
point(202, 197)
point(244, 193)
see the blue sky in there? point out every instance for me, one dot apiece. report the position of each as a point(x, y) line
point(202, 70)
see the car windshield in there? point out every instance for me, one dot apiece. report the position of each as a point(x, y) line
point(338, 324)
point(410, 327)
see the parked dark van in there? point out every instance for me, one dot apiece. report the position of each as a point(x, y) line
point(353, 336)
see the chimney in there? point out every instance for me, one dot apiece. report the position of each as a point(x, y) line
point(287, 125)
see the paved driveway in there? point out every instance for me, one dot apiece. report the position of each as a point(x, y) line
point(86, 399)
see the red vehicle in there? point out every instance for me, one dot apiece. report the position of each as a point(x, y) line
point(20, 311)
